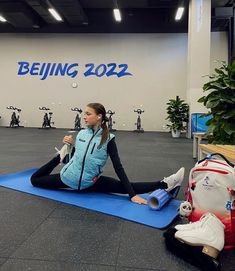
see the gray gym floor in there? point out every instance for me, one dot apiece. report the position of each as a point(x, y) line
point(41, 234)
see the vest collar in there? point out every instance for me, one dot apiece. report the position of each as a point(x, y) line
point(97, 131)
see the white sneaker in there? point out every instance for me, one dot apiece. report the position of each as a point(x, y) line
point(210, 235)
point(66, 149)
point(174, 180)
point(194, 225)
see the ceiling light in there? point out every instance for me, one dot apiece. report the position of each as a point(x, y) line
point(117, 14)
point(55, 14)
point(2, 19)
point(179, 13)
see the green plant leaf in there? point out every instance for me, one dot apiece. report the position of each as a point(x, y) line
point(220, 100)
point(219, 71)
point(229, 128)
point(208, 123)
point(178, 114)
point(204, 115)
point(211, 128)
point(230, 114)
point(201, 100)
point(212, 103)
point(227, 100)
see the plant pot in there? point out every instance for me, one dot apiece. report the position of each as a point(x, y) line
point(175, 133)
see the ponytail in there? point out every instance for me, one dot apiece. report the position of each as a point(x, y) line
point(105, 132)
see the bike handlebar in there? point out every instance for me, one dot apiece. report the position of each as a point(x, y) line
point(139, 111)
point(44, 108)
point(77, 109)
point(13, 108)
point(110, 112)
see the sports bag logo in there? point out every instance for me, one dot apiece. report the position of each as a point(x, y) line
point(207, 184)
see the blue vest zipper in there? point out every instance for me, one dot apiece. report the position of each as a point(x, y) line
point(93, 148)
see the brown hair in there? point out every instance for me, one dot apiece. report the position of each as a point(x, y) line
point(99, 109)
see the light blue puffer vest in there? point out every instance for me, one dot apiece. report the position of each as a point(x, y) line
point(88, 160)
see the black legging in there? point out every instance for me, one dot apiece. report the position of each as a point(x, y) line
point(43, 178)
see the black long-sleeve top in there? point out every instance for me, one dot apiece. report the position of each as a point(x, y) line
point(117, 165)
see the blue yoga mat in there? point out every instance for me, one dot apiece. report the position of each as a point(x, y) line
point(112, 204)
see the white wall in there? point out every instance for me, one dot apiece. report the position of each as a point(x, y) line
point(219, 49)
point(157, 62)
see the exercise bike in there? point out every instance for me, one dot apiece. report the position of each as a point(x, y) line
point(110, 120)
point(15, 117)
point(77, 121)
point(138, 123)
point(46, 123)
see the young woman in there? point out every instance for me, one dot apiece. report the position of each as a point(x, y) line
point(84, 170)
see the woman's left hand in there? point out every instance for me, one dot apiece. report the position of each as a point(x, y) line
point(139, 200)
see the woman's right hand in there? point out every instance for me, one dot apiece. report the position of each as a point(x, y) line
point(68, 140)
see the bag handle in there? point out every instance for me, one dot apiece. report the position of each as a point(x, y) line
point(218, 154)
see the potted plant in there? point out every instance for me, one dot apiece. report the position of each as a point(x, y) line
point(178, 115)
point(220, 101)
